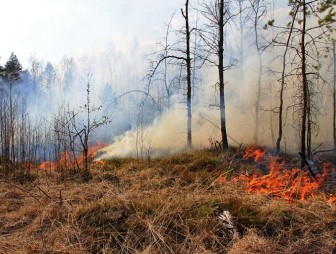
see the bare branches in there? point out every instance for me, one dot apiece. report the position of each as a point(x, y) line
point(74, 128)
point(306, 38)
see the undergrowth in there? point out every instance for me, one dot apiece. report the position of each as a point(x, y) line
point(170, 205)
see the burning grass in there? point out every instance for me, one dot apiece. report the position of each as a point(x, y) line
point(68, 160)
point(170, 205)
point(284, 181)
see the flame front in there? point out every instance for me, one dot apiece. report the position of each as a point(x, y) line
point(254, 153)
point(280, 182)
point(289, 184)
point(67, 160)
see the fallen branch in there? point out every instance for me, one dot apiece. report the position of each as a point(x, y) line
point(43, 192)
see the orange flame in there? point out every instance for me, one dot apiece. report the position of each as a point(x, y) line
point(47, 165)
point(331, 199)
point(280, 182)
point(67, 159)
point(254, 153)
point(283, 183)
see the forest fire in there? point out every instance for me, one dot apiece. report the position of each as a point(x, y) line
point(67, 159)
point(254, 153)
point(286, 183)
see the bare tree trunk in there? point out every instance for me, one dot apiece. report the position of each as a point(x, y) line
point(2, 132)
point(257, 107)
point(87, 129)
point(12, 129)
point(282, 88)
point(188, 63)
point(334, 95)
point(309, 127)
point(241, 26)
point(304, 86)
point(221, 76)
point(166, 66)
point(6, 140)
point(257, 15)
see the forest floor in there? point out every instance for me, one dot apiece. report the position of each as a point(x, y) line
point(180, 204)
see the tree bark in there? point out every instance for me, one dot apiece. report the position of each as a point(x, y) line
point(259, 51)
point(334, 95)
point(241, 26)
point(221, 76)
point(188, 63)
point(12, 129)
point(257, 107)
point(304, 86)
point(282, 88)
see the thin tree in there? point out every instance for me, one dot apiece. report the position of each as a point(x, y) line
point(244, 11)
point(309, 33)
point(218, 16)
point(182, 57)
point(185, 14)
point(90, 123)
point(12, 73)
point(334, 95)
point(221, 75)
point(258, 9)
point(287, 32)
point(164, 51)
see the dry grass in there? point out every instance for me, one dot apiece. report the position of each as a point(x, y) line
point(168, 206)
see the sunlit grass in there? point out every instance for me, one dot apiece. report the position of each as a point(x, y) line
point(167, 205)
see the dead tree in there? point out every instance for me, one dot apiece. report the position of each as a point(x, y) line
point(217, 14)
point(73, 130)
point(12, 73)
point(90, 123)
point(185, 14)
point(334, 95)
point(244, 15)
point(286, 32)
point(310, 28)
point(180, 56)
point(258, 12)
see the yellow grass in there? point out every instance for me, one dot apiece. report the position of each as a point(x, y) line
point(170, 205)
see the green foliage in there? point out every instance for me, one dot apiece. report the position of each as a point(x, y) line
point(326, 5)
point(12, 68)
point(328, 18)
point(269, 23)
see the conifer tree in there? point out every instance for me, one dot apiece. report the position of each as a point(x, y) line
point(12, 70)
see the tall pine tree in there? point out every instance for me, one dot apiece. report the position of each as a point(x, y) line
point(12, 70)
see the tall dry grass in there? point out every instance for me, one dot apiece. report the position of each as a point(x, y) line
point(170, 205)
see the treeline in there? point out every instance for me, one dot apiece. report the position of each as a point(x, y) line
point(215, 54)
point(285, 58)
point(36, 126)
point(50, 113)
